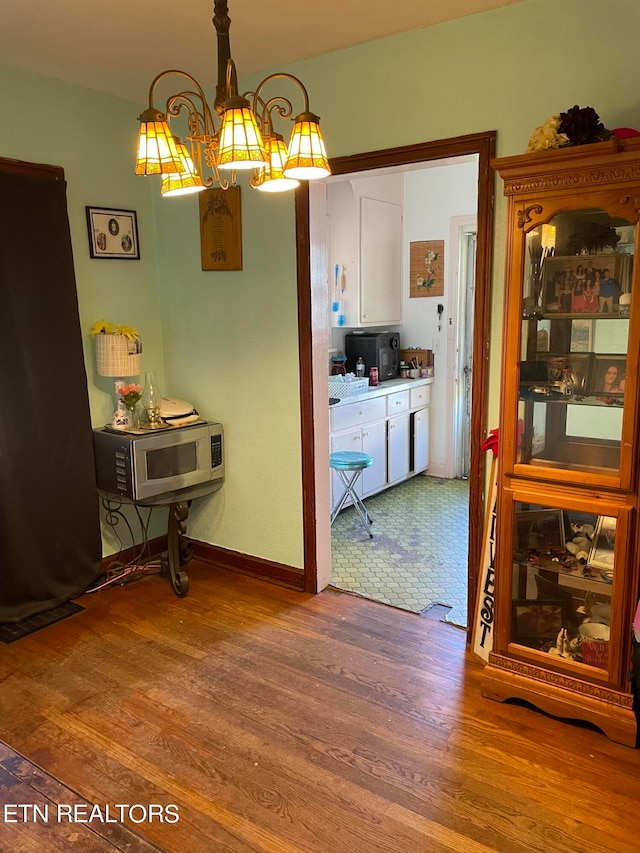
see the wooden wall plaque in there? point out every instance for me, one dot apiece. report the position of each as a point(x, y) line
point(221, 229)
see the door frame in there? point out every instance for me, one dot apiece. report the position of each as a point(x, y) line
point(312, 318)
point(460, 228)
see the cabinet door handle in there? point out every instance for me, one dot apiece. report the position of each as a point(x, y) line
point(361, 412)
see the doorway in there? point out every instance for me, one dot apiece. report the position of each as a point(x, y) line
point(313, 343)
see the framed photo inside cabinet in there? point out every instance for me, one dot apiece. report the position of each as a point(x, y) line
point(579, 363)
point(113, 233)
point(537, 622)
point(539, 530)
point(604, 540)
point(581, 335)
point(609, 375)
point(585, 284)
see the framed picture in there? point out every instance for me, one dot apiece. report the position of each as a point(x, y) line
point(604, 539)
point(113, 233)
point(609, 375)
point(579, 363)
point(585, 284)
point(537, 622)
point(539, 530)
point(426, 268)
point(581, 335)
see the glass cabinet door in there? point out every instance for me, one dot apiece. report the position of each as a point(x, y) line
point(576, 303)
point(562, 583)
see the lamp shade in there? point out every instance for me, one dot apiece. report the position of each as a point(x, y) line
point(114, 358)
point(182, 183)
point(157, 150)
point(306, 156)
point(271, 179)
point(240, 145)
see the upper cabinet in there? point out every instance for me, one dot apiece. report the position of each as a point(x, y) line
point(567, 534)
point(365, 251)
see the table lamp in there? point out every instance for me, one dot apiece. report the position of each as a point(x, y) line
point(117, 356)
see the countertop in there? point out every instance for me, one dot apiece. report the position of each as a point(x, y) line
point(389, 386)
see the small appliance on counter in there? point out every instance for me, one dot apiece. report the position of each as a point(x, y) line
point(177, 412)
point(376, 349)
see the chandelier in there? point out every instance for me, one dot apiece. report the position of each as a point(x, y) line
point(238, 133)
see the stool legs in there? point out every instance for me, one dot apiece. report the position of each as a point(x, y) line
point(358, 505)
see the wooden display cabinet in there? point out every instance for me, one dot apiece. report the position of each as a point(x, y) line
point(567, 541)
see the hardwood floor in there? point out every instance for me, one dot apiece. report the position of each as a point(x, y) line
point(280, 722)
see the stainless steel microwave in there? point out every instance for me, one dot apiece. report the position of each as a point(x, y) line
point(157, 464)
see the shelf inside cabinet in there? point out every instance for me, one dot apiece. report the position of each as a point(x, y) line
point(582, 315)
point(582, 577)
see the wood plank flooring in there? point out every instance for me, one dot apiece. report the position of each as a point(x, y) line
point(280, 722)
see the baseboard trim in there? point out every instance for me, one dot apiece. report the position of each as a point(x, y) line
point(154, 548)
point(277, 573)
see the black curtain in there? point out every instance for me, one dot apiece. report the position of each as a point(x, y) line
point(50, 545)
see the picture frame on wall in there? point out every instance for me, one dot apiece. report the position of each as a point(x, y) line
point(220, 229)
point(113, 233)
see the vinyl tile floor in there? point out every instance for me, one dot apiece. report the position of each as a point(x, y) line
point(418, 555)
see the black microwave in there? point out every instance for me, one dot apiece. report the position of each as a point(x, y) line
point(377, 349)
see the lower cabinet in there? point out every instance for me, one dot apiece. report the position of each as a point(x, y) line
point(371, 439)
point(351, 441)
point(393, 429)
point(398, 448)
point(374, 442)
point(419, 441)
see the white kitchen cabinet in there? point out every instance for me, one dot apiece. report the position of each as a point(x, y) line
point(420, 440)
point(380, 262)
point(350, 440)
point(371, 439)
point(397, 448)
point(365, 243)
point(374, 442)
point(391, 423)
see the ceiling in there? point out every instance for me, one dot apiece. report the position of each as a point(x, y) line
point(118, 46)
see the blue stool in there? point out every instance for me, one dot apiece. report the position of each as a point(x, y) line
point(349, 465)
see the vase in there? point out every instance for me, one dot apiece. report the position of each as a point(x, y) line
point(120, 418)
point(133, 416)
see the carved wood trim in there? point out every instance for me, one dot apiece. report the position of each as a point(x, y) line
point(524, 215)
point(571, 180)
point(635, 201)
point(565, 682)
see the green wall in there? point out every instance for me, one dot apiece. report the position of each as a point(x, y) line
point(229, 340)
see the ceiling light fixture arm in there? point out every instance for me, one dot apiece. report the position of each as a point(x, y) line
point(283, 105)
point(202, 128)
